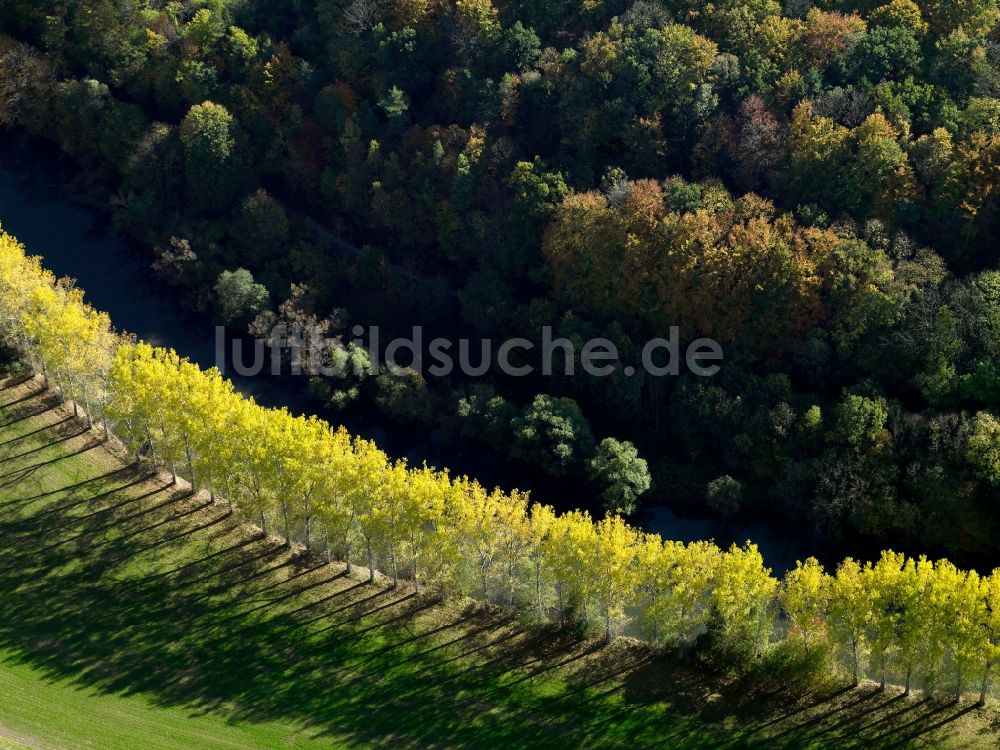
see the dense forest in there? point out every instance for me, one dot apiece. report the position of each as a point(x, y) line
point(813, 184)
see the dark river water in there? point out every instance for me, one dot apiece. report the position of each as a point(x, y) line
point(37, 207)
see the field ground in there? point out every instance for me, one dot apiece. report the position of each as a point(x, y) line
point(136, 616)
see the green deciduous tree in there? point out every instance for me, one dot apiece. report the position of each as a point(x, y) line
point(211, 161)
point(621, 474)
point(552, 434)
point(240, 298)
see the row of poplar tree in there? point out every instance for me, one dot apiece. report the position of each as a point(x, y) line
point(909, 621)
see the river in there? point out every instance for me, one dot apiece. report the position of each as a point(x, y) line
point(37, 207)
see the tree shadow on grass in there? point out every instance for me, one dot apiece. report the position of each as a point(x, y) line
point(291, 561)
point(99, 478)
point(61, 509)
point(873, 703)
point(53, 443)
point(269, 551)
point(108, 522)
point(866, 724)
point(38, 431)
point(39, 407)
point(32, 396)
point(16, 476)
point(926, 721)
point(805, 706)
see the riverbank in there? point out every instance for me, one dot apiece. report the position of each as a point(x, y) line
point(137, 617)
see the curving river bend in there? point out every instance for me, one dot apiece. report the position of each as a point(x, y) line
point(37, 207)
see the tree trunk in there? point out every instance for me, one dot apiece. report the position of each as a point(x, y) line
point(107, 430)
point(416, 573)
point(86, 405)
point(538, 588)
point(857, 665)
point(190, 460)
point(759, 635)
point(958, 687)
point(510, 579)
point(985, 686)
point(607, 614)
point(909, 675)
point(288, 529)
point(371, 560)
point(263, 523)
point(652, 619)
point(308, 529)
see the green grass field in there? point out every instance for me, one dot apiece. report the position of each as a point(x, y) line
point(136, 616)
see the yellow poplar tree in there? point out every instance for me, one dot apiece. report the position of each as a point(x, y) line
point(991, 627)
point(850, 611)
point(805, 597)
point(614, 569)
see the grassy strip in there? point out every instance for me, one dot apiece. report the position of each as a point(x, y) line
point(138, 616)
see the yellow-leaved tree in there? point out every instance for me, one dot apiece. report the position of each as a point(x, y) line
point(805, 597)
